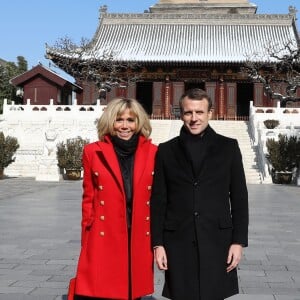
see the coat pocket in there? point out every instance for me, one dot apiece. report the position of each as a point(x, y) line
point(171, 225)
point(225, 223)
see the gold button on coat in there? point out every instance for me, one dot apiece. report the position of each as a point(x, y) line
point(100, 187)
point(102, 202)
point(149, 187)
point(148, 202)
point(147, 233)
point(147, 218)
point(102, 218)
point(102, 233)
point(96, 173)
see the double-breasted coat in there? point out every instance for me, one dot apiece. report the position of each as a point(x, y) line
point(103, 266)
point(197, 218)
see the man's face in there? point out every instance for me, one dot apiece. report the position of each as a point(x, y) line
point(195, 115)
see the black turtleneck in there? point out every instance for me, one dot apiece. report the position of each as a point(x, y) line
point(125, 150)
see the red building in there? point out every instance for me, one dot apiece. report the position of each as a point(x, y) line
point(41, 84)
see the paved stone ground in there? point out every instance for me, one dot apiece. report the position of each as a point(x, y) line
point(40, 232)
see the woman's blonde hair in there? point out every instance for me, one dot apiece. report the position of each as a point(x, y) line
point(115, 108)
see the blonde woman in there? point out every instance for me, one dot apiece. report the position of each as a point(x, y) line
point(116, 259)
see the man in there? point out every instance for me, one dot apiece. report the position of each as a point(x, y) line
point(199, 207)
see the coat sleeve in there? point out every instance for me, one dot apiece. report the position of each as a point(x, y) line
point(158, 200)
point(239, 199)
point(87, 196)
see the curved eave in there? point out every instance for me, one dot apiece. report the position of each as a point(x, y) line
point(190, 62)
point(169, 61)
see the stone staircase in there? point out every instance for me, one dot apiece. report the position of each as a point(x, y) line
point(239, 131)
point(163, 130)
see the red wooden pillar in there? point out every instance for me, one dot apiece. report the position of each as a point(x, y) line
point(167, 99)
point(221, 106)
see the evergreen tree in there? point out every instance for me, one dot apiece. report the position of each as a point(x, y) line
point(9, 70)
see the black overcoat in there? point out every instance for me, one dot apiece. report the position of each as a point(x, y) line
point(197, 218)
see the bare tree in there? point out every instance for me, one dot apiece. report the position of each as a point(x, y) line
point(84, 64)
point(282, 68)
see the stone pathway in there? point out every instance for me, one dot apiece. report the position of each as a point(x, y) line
point(40, 241)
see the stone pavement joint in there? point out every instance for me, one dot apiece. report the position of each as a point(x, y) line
point(40, 241)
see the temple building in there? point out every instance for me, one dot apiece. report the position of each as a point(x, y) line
point(181, 44)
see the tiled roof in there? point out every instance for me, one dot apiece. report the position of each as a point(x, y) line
point(45, 72)
point(172, 38)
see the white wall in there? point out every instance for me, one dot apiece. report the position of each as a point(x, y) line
point(39, 128)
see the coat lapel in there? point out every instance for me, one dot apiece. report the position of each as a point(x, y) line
point(140, 159)
point(211, 149)
point(181, 158)
point(109, 158)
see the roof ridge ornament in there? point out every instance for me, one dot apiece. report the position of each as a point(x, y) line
point(103, 9)
point(293, 12)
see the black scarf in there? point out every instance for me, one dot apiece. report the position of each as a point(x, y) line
point(125, 147)
point(194, 147)
point(125, 150)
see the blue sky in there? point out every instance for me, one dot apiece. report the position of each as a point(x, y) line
point(25, 26)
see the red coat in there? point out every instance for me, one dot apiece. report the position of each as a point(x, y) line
point(103, 262)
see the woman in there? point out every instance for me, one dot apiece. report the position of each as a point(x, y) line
point(116, 259)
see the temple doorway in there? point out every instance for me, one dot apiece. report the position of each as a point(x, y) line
point(144, 91)
point(244, 96)
point(194, 85)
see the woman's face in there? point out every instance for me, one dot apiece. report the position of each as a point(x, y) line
point(125, 125)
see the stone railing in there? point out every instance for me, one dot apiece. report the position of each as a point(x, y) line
point(289, 119)
point(289, 124)
point(39, 128)
point(69, 110)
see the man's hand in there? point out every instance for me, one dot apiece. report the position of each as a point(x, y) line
point(234, 256)
point(160, 258)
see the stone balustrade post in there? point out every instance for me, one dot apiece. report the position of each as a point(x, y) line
point(5, 108)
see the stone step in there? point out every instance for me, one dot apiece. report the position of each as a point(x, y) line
point(163, 130)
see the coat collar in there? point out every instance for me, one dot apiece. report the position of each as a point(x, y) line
point(109, 157)
point(181, 157)
point(140, 159)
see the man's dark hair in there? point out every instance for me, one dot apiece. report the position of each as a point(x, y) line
point(195, 94)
